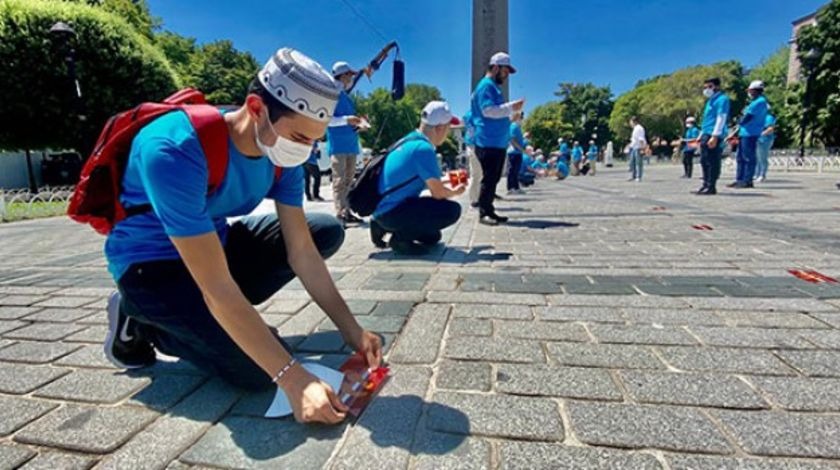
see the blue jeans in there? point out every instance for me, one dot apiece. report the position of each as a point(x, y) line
point(637, 163)
point(420, 219)
point(746, 159)
point(164, 299)
point(763, 156)
point(515, 160)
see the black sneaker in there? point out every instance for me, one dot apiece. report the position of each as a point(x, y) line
point(123, 346)
point(500, 219)
point(487, 220)
point(377, 234)
point(408, 248)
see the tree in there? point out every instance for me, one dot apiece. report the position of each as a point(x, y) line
point(420, 95)
point(221, 72)
point(134, 12)
point(117, 68)
point(825, 85)
point(587, 108)
point(663, 103)
point(546, 124)
point(178, 49)
point(773, 72)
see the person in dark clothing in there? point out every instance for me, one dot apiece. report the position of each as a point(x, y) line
point(312, 178)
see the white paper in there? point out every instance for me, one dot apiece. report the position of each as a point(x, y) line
point(280, 407)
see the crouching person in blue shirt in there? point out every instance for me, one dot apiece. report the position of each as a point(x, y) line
point(415, 222)
point(188, 279)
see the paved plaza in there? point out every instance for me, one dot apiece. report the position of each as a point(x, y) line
point(610, 325)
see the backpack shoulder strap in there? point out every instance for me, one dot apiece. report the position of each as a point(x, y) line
point(209, 125)
point(404, 140)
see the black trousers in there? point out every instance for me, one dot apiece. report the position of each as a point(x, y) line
point(710, 161)
point(492, 164)
point(688, 163)
point(312, 180)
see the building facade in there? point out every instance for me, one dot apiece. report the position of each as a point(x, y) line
point(794, 66)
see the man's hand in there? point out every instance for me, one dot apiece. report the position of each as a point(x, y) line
point(369, 345)
point(354, 121)
point(518, 105)
point(312, 400)
point(713, 142)
point(459, 190)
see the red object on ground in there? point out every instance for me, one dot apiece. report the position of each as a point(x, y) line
point(823, 277)
point(659, 208)
point(805, 276)
point(361, 384)
point(457, 178)
point(702, 227)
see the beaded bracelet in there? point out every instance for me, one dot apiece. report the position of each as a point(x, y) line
point(284, 370)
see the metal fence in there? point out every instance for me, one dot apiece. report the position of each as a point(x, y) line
point(815, 160)
point(21, 204)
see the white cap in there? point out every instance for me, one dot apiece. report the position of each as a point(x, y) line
point(756, 85)
point(690, 119)
point(301, 84)
point(437, 113)
point(340, 68)
point(502, 59)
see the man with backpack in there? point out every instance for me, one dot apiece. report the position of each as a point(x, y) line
point(187, 279)
point(415, 222)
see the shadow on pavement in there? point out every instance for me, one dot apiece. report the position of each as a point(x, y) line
point(540, 224)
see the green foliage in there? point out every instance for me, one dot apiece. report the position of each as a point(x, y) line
point(546, 124)
point(391, 120)
point(134, 12)
point(218, 69)
point(221, 72)
point(825, 86)
point(117, 68)
point(773, 72)
point(587, 109)
point(663, 103)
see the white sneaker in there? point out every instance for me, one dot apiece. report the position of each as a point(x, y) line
point(638, 180)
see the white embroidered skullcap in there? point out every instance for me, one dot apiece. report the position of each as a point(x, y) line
point(301, 84)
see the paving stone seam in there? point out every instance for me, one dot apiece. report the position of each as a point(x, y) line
point(797, 372)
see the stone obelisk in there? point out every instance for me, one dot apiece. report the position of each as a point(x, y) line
point(489, 35)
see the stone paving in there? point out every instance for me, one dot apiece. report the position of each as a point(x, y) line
point(599, 329)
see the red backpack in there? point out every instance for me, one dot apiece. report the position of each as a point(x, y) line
point(96, 199)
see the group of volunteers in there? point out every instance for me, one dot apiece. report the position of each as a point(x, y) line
point(190, 264)
point(753, 135)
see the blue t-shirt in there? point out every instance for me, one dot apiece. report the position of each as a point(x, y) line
point(516, 135)
point(564, 150)
point(692, 133)
point(769, 121)
point(752, 124)
point(577, 153)
point(343, 140)
point(592, 153)
point(313, 155)
point(167, 169)
point(469, 130)
point(489, 132)
point(717, 105)
point(415, 159)
point(527, 164)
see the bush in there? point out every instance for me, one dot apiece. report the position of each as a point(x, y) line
point(117, 68)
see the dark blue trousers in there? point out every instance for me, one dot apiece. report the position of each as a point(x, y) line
point(420, 219)
point(165, 300)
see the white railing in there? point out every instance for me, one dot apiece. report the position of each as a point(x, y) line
point(21, 204)
point(814, 160)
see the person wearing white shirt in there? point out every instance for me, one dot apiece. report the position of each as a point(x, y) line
point(638, 144)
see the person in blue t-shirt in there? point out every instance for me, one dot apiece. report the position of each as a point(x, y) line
point(415, 222)
point(689, 146)
point(591, 157)
point(312, 178)
point(712, 133)
point(577, 158)
point(750, 129)
point(343, 142)
point(515, 152)
point(527, 173)
point(765, 144)
point(491, 118)
point(188, 279)
point(565, 152)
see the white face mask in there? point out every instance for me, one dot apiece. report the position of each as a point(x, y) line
point(708, 92)
point(284, 153)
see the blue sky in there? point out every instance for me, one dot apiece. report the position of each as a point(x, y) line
point(607, 42)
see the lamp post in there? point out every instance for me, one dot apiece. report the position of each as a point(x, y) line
point(809, 63)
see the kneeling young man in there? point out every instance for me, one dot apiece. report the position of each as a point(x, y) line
point(188, 280)
point(415, 222)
